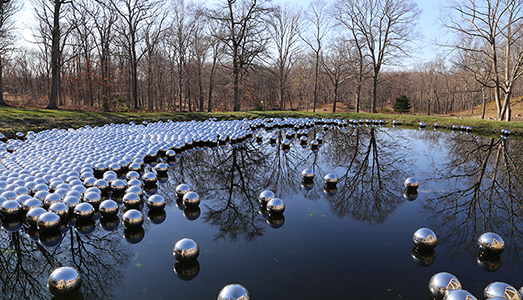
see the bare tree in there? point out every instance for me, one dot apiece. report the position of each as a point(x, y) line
point(285, 30)
point(8, 9)
point(217, 51)
point(334, 62)
point(387, 28)
point(320, 24)
point(135, 14)
point(245, 37)
point(495, 30)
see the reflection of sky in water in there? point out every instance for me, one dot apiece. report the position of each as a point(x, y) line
point(355, 244)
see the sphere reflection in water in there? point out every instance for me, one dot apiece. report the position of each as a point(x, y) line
point(64, 282)
point(187, 271)
point(491, 243)
point(423, 257)
point(330, 190)
point(459, 295)
point(489, 262)
point(276, 221)
point(12, 225)
point(425, 238)
point(442, 282)
point(109, 223)
point(234, 292)
point(501, 290)
point(132, 218)
point(85, 227)
point(157, 216)
point(410, 194)
point(50, 239)
point(191, 213)
point(186, 250)
point(134, 235)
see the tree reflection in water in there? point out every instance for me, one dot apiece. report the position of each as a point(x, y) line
point(483, 193)
point(25, 264)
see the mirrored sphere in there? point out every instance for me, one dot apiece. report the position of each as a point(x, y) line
point(108, 208)
point(134, 189)
point(330, 178)
point(71, 201)
point(411, 183)
point(10, 208)
point(64, 282)
point(182, 189)
point(132, 175)
point(266, 196)
point(501, 290)
point(442, 282)
point(32, 203)
point(61, 209)
point(149, 178)
point(425, 238)
point(33, 214)
point(307, 174)
point(92, 198)
point(459, 295)
point(156, 202)
point(186, 250)
point(83, 211)
point(191, 199)
point(275, 206)
point(234, 292)
point(132, 200)
point(491, 242)
point(48, 221)
point(132, 218)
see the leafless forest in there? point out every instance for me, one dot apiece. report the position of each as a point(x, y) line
point(233, 55)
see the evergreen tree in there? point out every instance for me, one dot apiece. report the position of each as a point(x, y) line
point(402, 104)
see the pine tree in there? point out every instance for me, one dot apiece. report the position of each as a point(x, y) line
point(402, 104)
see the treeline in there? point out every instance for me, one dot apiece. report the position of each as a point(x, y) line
point(176, 55)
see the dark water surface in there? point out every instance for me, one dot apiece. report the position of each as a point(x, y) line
point(352, 243)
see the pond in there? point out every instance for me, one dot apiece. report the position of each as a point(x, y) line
point(353, 241)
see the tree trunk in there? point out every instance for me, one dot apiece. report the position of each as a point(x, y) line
point(484, 104)
point(134, 71)
point(316, 82)
point(236, 87)
point(211, 85)
point(2, 103)
point(374, 92)
point(335, 97)
point(55, 36)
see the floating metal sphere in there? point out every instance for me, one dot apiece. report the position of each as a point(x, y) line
point(275, 206)
point(459, 295)
point(134, 189)
point(182, 189)
point(132, 218)
point(92, 198)
point(266, 196)
point(132, 200)
point(9, 195)
point(156, 202)
point(48, 222)
point(89, 182)
point(442, 282)
point(132, 175)
point(161, 168)
point(10, 208)
point(186, 250)
point(33, 214)
point(118, 186)
point(501, 290)
point(71, 201)
point(149, 178)
point(191, 199)
point(102, 185)
point(61, 209)
point(31, 203)
point(64, 282)
point(491, 243)
point(307, 174)
point(425, 238)
point(411, 183)
point(135, 182)
point(136, 167)
point(108, 208)
point(83, 211)
point(234, 292)
point(330, 178)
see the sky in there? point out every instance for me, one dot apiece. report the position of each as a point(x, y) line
point(428, 24)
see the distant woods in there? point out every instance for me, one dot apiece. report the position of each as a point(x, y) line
point(182, 55)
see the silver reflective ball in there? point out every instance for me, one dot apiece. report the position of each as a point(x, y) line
point(48, 221)
point(83, 211)
point(459, 295)
point(92, 198)
point(425, 238)
point(132, 200)
point(10, 208)
point(234, 292)
point(161, 168)
point(501, 290)
point(186, 250)
point(135, 182)
point(132, 175)
point(411, 183)
point(118, 186)
point(108, 208)
point(182, 189)
point(61, 209)
point(491, 242)
point(265, 196)
point(155, 202)
point(149, 178)
point(330, 178)
point(191, 199)
point(64, 282)
point(134, 189)
point(442, 282)
point(71, 201)
point(33, 214)
point(307, 174)
point(31, 203)
point(132, 218)
point(275, 206)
